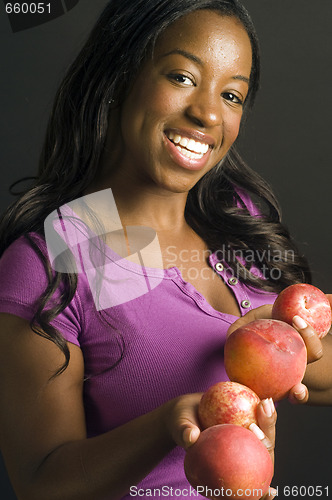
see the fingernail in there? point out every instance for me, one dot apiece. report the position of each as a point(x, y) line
point(193, 436)
point(257, 431)
point(299, 323)
point(267, 407)
point(301, 394)
point(273, 492)
point(272, 406)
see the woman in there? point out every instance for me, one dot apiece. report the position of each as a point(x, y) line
point(148, 113)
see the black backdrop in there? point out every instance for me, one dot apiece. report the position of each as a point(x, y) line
point(287, 139)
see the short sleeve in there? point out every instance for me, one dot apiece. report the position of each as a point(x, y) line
point(23, 279)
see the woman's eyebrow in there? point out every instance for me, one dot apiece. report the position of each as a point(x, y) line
point(186, 54)
point(242, 78)
point(199, 61)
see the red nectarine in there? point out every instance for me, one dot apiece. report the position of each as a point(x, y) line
point(266, 355)
point(228, 403)
point(305, 301)
point(229, 461)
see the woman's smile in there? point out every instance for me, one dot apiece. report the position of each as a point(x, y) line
point(189, 149)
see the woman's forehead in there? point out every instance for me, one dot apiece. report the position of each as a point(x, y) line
point(207, 35)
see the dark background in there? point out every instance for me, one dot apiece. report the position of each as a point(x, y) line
point(287, 139)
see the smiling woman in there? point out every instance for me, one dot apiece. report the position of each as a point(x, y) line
point(147, 117)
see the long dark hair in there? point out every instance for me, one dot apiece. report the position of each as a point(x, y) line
point(107, 65)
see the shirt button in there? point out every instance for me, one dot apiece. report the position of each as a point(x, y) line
point(245, 304)
point(219, 267)
point(233, 281)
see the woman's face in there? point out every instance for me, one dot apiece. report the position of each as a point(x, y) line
point(183, 112)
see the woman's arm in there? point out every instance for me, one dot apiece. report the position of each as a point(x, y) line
point(43, 434)
point(42, 426)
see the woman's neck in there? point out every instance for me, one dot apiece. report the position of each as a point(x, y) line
point(146, 205)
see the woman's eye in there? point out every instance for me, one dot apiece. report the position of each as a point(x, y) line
point(229, 96)
point(181, 79)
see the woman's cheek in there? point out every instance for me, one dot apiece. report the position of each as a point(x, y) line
point(231, 129)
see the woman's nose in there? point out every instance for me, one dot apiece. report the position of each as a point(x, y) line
point(205, 110)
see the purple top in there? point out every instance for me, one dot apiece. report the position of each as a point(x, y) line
point(173, 341)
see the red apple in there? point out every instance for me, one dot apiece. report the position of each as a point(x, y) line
point(229, 461)
point(305, 301)
point(266, 355)
point(228, 403)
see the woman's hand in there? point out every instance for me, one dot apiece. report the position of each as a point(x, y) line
point(182, 419)
point(261, 312)
point(299, 393)
point(266, 432)
point(312, 341)
point(318, 376)
point(184, 427)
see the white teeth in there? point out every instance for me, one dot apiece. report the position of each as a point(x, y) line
point(184, 142)
point(189, 154)
point(198, 149)
point(192, 145)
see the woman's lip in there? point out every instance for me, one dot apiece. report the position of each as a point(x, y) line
point(184, 161)
point(193, 134)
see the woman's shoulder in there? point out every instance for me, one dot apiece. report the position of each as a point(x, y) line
point(24, 259)
point(23, 276)
point(27, 241)
point(27, 248)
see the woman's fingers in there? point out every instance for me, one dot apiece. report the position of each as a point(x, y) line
point(190, 434)
point(261, 312)
point(266, 429)
point(263, 438)
point(266, 432)
point(310, 337)
point(298, 394)
point(182, 420)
